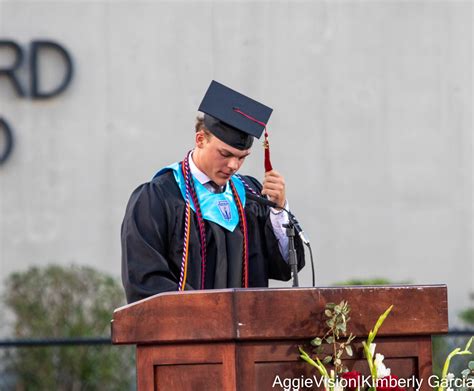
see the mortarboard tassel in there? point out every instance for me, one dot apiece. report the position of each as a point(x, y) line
point(266, 145)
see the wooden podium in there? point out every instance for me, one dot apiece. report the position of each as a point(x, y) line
point(242, 339)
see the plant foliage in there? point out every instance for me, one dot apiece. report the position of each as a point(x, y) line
point(58, 302)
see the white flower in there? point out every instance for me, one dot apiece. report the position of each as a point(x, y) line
point(449, 378)
point(379, 357)
point(382, 370)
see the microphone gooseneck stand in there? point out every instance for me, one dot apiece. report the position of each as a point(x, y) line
point(292, 259)
point(293, 227)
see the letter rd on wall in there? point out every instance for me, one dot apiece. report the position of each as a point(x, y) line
point(28, 58)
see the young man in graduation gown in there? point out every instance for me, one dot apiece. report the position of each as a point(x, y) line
point(192, 226)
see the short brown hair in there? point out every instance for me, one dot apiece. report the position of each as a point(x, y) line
point(200, 126)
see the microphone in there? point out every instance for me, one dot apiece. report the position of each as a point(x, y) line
point(262, 200)
point(298, 228)
point(266, 202)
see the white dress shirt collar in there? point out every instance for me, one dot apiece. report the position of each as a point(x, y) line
point(198, 174)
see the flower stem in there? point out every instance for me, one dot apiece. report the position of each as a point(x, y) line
point(447, 363)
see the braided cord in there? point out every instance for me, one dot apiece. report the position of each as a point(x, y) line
point(202, 231)
point(244, 229)
point(247, 186)
point(184, 259)
point(185, 256)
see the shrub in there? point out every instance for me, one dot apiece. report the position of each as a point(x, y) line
point(370, 281)
point(58, 302)
point(468, 316)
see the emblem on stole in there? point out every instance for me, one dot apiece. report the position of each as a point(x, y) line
point(224, 208)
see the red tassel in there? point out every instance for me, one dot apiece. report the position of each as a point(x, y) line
point(266, 146)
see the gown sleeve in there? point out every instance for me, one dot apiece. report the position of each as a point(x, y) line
point(278, 268)
point(146, 270)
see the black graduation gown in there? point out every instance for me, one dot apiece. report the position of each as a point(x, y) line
point(152, 244)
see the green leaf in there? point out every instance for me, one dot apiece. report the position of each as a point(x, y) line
point(349, 351)
point(466, 372)
point(330, 306)
point(316, 341)
point(471, 365)
point(327, 359)
point(304, 356)
point(337, 309)
point(330, 339)
point(468, 345)
point(328, 313)
point(378, 324)
point(337, 361)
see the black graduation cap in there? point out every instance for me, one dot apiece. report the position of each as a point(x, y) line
point(232, 117)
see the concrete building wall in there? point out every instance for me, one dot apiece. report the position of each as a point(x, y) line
point(372, 126)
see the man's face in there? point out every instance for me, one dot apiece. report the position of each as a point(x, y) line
point(218, 160)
